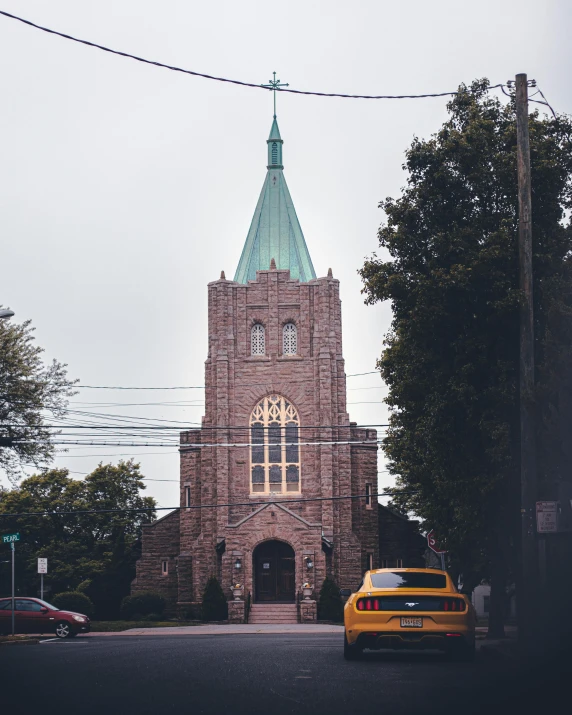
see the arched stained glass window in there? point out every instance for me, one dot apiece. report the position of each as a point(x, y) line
point(289, 339)
point(257, 340)
point(275, 453)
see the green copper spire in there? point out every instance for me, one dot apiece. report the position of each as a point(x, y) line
point(275, 230)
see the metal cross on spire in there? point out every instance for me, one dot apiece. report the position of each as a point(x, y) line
point(274, 85)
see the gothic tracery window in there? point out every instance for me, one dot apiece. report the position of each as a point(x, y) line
point(289, 339)
point(257, 340)
point(275, 453)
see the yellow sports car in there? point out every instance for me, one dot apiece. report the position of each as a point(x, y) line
point(408, 608)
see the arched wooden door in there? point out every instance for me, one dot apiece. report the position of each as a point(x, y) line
point(274, 572)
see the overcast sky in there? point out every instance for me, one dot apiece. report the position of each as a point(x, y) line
point(125, 188)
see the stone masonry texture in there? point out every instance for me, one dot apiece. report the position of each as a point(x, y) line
point(340, 536)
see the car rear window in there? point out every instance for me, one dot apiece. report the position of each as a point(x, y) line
point(6, 604)
point(408, 579)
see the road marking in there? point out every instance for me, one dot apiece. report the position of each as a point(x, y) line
point(49, 640)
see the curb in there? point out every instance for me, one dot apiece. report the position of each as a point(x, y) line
point(20, 641)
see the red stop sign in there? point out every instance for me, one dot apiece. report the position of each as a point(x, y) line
point(432, 541)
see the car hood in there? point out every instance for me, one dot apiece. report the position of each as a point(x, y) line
point(73, 613)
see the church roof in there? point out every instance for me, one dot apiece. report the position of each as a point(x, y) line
point(275, 231)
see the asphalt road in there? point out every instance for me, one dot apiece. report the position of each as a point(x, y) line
point(270, 674)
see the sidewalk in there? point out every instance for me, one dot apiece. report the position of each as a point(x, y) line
point(219, 630)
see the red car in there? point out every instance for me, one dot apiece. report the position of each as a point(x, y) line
point(35, 616)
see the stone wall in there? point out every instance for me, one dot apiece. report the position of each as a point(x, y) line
point(160, 542)
point(338, 535)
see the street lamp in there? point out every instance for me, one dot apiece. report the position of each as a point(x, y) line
point(6, 313)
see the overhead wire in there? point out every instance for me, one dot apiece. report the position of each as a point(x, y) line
point(194, 507)
point(202, 387)
point(203, 75)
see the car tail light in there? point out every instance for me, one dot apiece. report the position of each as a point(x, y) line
point(454, 604)
point(407, 604)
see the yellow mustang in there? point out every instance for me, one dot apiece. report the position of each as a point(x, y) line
point(408, 608)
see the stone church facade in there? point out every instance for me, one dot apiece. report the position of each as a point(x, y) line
point(264, 480)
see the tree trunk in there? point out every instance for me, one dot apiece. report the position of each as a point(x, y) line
point(497, 603)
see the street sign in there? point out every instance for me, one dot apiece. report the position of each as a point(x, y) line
point(42, 565)
point(547, 517)
point(432, 542)
point(10, 538)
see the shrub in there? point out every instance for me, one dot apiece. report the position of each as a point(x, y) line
point(215, 606)
point(73, 601)
point(153, 617)
point(192, 613)
point(142, 604)
point(330, 606)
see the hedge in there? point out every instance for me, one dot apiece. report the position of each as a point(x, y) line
point(73, 601)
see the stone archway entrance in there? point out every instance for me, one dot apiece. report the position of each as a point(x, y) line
point(274, 572)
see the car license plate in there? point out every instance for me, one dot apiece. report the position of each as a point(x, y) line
point(412, 623)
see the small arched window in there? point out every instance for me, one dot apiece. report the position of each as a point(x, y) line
point(289, 339)
point(257, 340)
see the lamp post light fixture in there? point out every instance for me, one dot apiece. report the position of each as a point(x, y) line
point(309, 563)
point(238, 564)
point(6, 313)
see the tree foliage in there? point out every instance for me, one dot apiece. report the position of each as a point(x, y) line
point(91, 552)
point(451, 358)
point(74, 601)
point(29, 390)
point(214, 605)
point(144, 603)
point(330, 606)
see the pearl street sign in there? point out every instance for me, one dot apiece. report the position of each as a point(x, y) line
point(10, 538)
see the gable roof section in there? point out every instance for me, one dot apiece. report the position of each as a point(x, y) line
point(278, 506)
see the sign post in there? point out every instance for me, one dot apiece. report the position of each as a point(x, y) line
point(11, 539)
point(42, 569)
point(432, 543)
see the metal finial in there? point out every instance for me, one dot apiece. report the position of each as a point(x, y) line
point(274, 85)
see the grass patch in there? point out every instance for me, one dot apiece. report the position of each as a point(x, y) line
point(17, 639)
point(116, 626)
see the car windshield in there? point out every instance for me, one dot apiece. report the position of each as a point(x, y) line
point(408, 579)
point(48, 605)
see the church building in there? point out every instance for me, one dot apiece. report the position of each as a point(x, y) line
point(265, 481)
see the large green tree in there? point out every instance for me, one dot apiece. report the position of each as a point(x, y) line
point(95, 552)
point(451, 358)
point(30, 392)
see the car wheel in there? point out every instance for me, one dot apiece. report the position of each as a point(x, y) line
point(63, 630)
point(351, 652)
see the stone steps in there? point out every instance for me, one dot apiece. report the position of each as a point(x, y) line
point(273, 613)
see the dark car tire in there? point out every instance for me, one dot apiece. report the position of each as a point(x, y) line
point(63, 630)
point(351, 652)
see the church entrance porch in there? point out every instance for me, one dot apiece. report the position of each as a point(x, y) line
point(274, 572)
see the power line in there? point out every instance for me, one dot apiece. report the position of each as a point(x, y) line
point(195, 506)
point(173, 68)
point(118, 428)
point(193, 445)
point(202, 387)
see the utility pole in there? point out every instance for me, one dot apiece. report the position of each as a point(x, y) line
point(527, 604)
